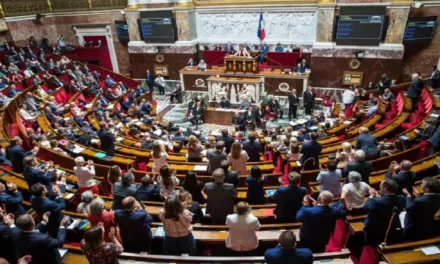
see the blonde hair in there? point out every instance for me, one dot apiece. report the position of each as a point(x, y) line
point(294, 149)
point(364, 130)
point(186, 198)
point(346, 147)
point(157, 150)
point(235, 150)
point(192, 142)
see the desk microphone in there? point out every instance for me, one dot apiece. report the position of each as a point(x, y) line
point(395, 210)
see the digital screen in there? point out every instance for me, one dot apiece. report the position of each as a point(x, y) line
point(359, 29)
point(420, 29)
point(157, 27)
point(122, 30)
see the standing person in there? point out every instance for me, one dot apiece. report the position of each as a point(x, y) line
point(97, 250)
point(353, 193)
point(348, 97)
point(308, 100)
point(238, 158)
point(114, 175)
point(330, 178)
point(16, 154)
point(123, 189)
point(384, 83)
point(192, 206)
point(318, 222)
point(367, 143)
point(379, 209)
point(85, 175)
point(149, 77)
point(225, 137)
point(287, 252)
point(215, 156)
point(402, 174)
point(293, 104)
point(219, 198)
point(255, 183)
point(160, 81)
point(194, 149)
point(252, 148)
point(159, 156)
point(167, 181)
point(360, 165)
point(98, 214)
point(415, 89)
point(11, 200)
point(178, 238)
point(242, 236)
point(194, 186)
point(107, 139)
point(289, 199)
point(311, 150)
point(134, 225)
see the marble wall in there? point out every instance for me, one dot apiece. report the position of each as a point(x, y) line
point(396, 24)
point(421, 57)
point(133, 26)
point(186, 25)
point(324, 31)
point(21, 30)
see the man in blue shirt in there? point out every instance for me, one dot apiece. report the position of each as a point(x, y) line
point(264, 51)
point(279, 48)
point(109, 81)
point(318, 221)
point(286, 252)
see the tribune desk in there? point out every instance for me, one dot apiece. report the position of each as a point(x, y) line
point(219, 116)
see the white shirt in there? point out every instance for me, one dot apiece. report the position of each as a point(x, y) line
point(242, 234)
point(158, 163)
point(84, 175)
point(355, 194)
point(25, 115)
point(347, 97)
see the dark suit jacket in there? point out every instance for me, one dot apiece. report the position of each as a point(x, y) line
point(7, 251)
point(308, 98)
point(293, 100)
point(310, 149)
point(379, 212)
point(225, 104)
point(367, 143)
point(253, 150)
point(120, 192)
point(107, 140)
point(249, 116)
point(240, 121)
point(16, 155)
point(303, 137)
point(318, 223)
point(274, 105)
point(12, 201)
point(415, 89)
point(419, 219)
point(135, 230)
point(232, 178)
point(363, 167)
point(278, 255)
point(198, 112)
point(228, 142)
point(33, 176)
point(220, 201)
point(42, 247)
point(43, 205)
point(405, 179)
point(289, 201)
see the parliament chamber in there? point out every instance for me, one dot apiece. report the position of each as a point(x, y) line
point(208, 131)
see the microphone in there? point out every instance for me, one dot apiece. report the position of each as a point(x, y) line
point(395, 210)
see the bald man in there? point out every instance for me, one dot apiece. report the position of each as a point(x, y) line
point(403, 175)
point(415, 89)
point(318, 222)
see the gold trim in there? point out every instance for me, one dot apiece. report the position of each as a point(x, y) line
point(185, 4)
point(255, 2)
point(49, 4)
point(90, 4)
point(326, 2)
point(401, 1)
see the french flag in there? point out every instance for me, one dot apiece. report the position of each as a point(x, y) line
point(261, 33)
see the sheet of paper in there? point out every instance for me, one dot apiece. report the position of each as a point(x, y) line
point(94, 141)
point(430, 250)
point(62, 252)
point(69, 196)
point(159, 232)
point(200, 168)
point(402, 219)
point(204, 210)
point(77, 149)
point(73, 224)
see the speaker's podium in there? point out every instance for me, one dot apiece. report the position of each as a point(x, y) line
point(240, 64)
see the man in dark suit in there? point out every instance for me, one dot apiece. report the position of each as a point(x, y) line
point(107, 139)
point(421, 210)
point(289, 199)
point(123, 189)
point(150, 80)
point(177, 93)
point(230, 175)
point(249, 115)
point(191, 63)
point(11, 200)
point(379, 209)
point(403, 175)
point(6, 230)
point(415, 89)
point(308, 100)
point(31, 240)
point(41, 204)
point(215, 156)
point(318, 222)
point(16, 154)
point(259, 117)
point(227, 139)
point(239, 122)
point(293, 104)
point(253, 148)
point(384, 83)
point(434, 78)
point(275, 107)
point(134, 225)
point(286, 251)
point(197, 114)
point(219, 198)
point(311, 149)
point(224, 103)
point(367, 143)
point(360, 165)
point(303, 135)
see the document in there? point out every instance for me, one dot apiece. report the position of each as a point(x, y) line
point(430, 250)
point(200, 168)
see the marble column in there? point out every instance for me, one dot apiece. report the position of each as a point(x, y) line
point(133, 28)
point(324, 30)
point(186, 24)
point(396, 24)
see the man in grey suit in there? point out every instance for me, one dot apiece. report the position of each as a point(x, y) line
point(219, 198)
point(215, 157)
point(123, 189)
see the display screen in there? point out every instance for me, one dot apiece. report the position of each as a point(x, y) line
point(122, 30)
point(360, 26)
point(157, 27)
point(420, 29)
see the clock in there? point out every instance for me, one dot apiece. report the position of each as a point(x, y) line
point(160, 58)
point(354, 64)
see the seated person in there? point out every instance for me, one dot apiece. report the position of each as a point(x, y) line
point(109, 81)
point(239, 122)
point(147, 191)
point(279, 48)
point(299, 69)
point(202, 65)
point(177, 93)
point(224, 103)
point(244, 105)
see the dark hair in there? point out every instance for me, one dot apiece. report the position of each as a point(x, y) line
point(256, 173)
point(145, 181)
point(252, 137)
point(24, 222)
point(242, 207)
point(93, 237)
point(293, 178)
point(391, 185)
point(166, 176)
point(114, 173)
point(127, 179)
point(313, 136)
point(287, 240)
point(399, 145)
point(191, 183)
point(173, 208)
point(433, 185)
point(37, 189)
point(220, 145)
point(225, 132)
point(224, 164)
point(332, 165)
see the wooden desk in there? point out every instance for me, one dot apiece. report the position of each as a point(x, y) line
point(240, 64)
point(216, 116)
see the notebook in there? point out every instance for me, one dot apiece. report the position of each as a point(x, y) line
point(100, 155)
